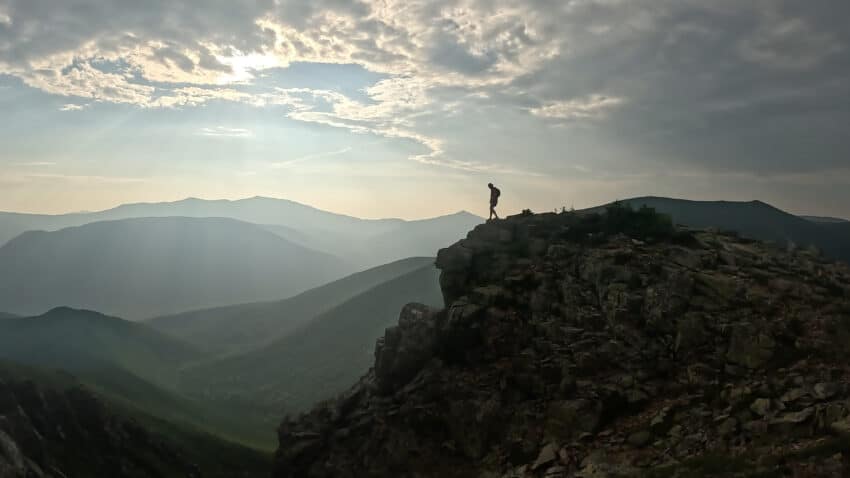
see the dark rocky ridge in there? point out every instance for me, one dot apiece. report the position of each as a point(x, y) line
point(70, 433)
point(568, 350)
point(53, 426)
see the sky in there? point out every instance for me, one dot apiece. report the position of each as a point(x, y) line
point(408, 108)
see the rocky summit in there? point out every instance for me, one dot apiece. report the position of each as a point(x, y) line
point(600, 345)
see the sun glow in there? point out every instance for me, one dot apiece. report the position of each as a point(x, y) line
point(244, 66)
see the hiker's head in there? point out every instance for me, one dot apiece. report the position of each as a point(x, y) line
point(490, 185)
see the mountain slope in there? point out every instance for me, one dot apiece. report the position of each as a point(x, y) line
point(150, 266)
point(52, 426)
point(824, 219)
point(128, 362)
point(417, 238)
point(587, 345)
point(4, 315)
point(403, 239)
point(317, 360)
point(77, 340)
point(244, 326)
point(753, 219)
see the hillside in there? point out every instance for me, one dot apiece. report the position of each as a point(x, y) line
point(4, 315)
point(81, 340)
point(403, 239)
point(241, 327)
point(824, 219)
point(583, 345)
point(51, 426)
point(167, 406)
point(417, 238)
point(139, 268)
point(317, 360)
point(130, 363)
point(754, 219)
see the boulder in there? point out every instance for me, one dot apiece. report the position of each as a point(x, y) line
point(786, 422)
point(690, 334)
point(662, 421)
point(547, 455)
point(727, 427)
point(640, 438)
point(405, 348)
point(750, 347)
point(454, 259)
point(793, 395)
point(842, 427)
point(761, 407)
point(825, 391)
point(567, 419)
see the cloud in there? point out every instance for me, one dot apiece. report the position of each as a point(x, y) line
point(72, 107)
point(589, 107)
point(788, 42)
point(309, 157)
point(225, 132)
point(751, 85)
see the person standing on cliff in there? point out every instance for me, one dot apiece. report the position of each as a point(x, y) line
point(494, 200)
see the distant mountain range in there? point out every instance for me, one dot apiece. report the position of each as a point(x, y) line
point(137, 268)
point(257, 210)
point(144, 260)
point(350, 238)
point(756, 220)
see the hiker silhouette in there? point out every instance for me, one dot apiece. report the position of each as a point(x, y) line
point(494, 200)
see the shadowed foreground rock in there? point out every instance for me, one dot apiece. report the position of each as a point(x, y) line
point(570, 350)
point(70, 433)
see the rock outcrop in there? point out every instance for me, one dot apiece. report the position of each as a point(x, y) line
point(570, 349)
point(52, 433)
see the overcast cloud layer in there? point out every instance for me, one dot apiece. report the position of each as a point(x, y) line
point(593, 90)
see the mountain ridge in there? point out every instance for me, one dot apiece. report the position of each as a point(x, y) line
point(755, 219)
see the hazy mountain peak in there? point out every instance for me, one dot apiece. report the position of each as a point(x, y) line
point(465, 213)
point(66, 311)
